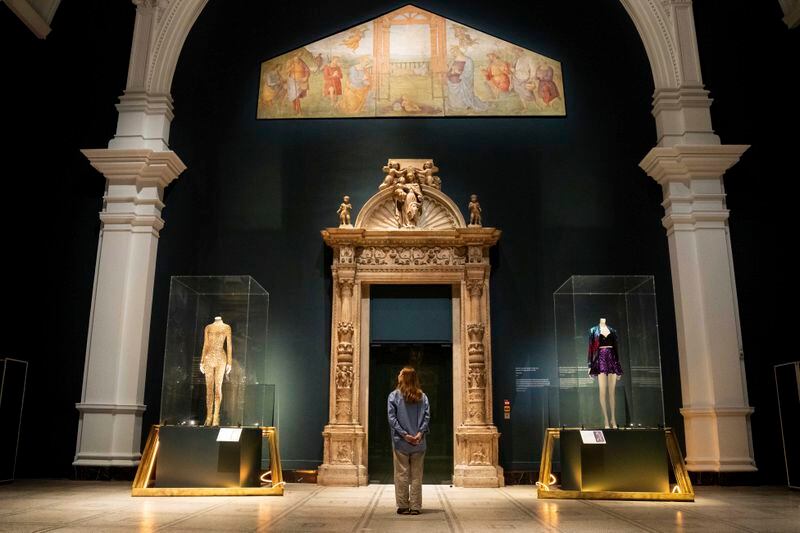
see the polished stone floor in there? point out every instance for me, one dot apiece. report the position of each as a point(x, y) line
point(107, 506)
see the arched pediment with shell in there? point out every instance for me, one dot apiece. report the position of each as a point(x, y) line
point(438, 212)
point(410, 198)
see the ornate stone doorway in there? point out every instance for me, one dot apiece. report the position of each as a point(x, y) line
point(411, 233)
point(434, 365)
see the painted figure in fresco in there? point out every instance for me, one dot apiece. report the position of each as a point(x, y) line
point(272, 87)
point(547, 88)
point(461, 83)
point(297, 81)
point(465, 40)
point(358, 86)
point(332, 73)
point(523, 77)
point(407, 105)
point(318, 61)
point(353, 39)
point(497, 75)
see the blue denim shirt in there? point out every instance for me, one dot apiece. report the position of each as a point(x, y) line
point(408, 419)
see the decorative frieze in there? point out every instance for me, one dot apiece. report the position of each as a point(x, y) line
point(346, 254)
point(411, 256)
point(475, 255)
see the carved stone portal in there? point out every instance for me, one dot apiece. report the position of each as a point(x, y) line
point(411, 232)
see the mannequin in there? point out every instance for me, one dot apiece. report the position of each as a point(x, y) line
point(215, 364)
point(604, 363)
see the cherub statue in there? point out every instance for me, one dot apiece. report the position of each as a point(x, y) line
point(392, 171)
point(426, 175)
point(344, 213)
point(474, 211)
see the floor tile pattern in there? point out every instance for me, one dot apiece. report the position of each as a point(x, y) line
point(41, 505)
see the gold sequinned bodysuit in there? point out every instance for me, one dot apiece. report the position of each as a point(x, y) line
point(214, 363)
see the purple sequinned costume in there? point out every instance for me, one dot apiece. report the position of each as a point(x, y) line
point(603, 353)
point(605, 363)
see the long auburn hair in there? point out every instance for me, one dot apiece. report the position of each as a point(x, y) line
point(408, 385)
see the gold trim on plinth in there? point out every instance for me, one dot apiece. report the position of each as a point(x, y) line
point(558, 494)
point(209, 491)
point(144, 473)
point(682, 491)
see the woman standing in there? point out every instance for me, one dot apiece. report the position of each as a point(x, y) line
point(409, 418)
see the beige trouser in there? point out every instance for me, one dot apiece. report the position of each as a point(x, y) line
point(405, 465)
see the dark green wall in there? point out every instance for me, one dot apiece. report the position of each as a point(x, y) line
point(566, 192)
point(411, 313)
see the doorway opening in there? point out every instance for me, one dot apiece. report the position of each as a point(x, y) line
point(434, 365)
point(411, 325)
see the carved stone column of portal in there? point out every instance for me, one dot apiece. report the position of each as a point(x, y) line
point(344, 437)
point(477, 438)
point(476, 373)
point(344, 356)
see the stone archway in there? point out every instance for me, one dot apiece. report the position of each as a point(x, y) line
point(438, 248)
point(688, 161)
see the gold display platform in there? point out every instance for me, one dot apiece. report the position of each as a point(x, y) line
point(145, 472)
point(682, 491)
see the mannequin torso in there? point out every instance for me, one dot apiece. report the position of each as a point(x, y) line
point(215, 363)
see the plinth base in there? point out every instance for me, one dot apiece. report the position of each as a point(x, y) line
point(344, 456)
point(478, 476)
point(477, 457)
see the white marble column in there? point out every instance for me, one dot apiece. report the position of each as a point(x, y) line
point(111, 407)
point(715, 405)
point(138, 165)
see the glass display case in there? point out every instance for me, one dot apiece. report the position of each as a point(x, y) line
point(608, 380)
point(215, 360)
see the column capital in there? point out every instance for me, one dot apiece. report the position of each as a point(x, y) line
point(687, 162)
point(142, 167)
point(136, 180)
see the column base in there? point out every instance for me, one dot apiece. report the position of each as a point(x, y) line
point(478, 476)
point(344, 456)
point(107, 460)
point(342, 475)
point(718, 439)
point(477, 457)
point(109, 435)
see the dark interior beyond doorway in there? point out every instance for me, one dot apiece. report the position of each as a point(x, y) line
point(434, 364)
